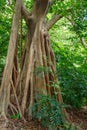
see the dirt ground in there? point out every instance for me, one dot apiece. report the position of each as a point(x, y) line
point(78, 118)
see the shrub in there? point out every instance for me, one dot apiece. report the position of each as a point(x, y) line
point(48, 111)
point(72, 75)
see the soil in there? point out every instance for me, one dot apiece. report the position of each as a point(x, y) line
point(77, 117)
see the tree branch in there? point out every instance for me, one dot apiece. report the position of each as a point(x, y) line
point(53, 21)
point(55, 18)
point(25, 13)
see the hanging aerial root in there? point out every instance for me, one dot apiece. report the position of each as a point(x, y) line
point(13, 108)
point(30, 70)
point(17, 100)
point(46, 74)
point(31, 96)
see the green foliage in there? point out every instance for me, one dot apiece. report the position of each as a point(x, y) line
point(73, 77)
point(16, 116)
point(75, 10)
point(71, 65)
point(69, 127)
point(79, 16)
point(48, 111)
point(29, 4)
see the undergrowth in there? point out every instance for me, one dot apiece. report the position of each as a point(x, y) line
point(48, 112)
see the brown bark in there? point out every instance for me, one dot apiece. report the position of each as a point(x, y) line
point(33, 57)
point(53, 21)
point(37, 55)
point(5, 90)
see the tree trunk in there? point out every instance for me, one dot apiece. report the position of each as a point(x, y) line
point(5, 86)
point(38, 67)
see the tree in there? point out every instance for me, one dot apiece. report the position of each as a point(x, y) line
point(24, 83)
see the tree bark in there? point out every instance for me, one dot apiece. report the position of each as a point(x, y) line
point(53, 21)
point(38, 68)
point(5, 86)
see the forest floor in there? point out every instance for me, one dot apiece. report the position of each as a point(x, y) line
point(78, 118)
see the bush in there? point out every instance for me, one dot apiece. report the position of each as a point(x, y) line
point(48, 111)
point(72, 75)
